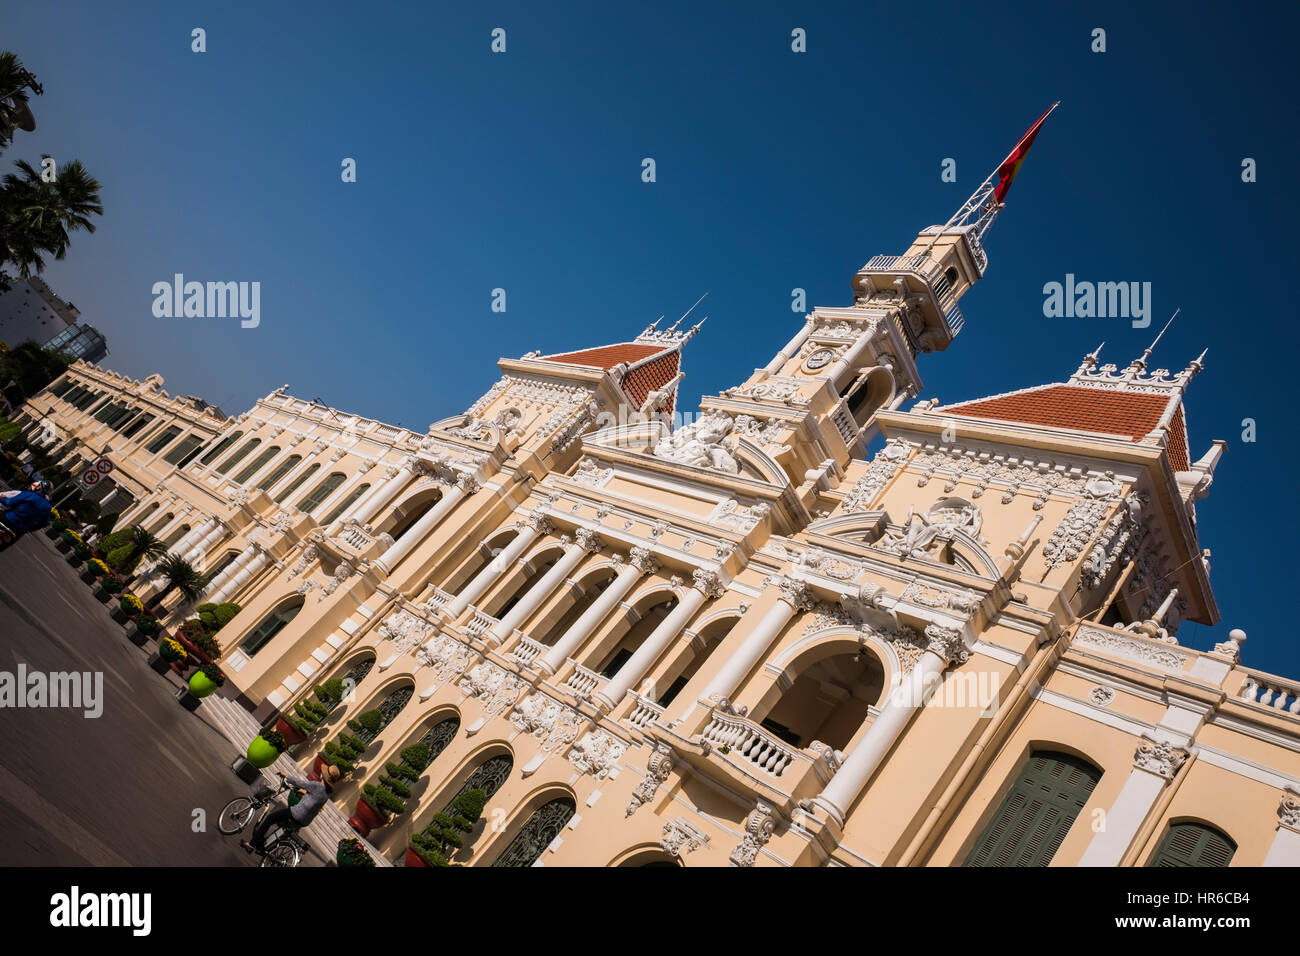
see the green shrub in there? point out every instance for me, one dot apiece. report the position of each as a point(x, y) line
point(443, 836)
point(351, 853)
point(371, 721)
point(384, 800)
point(216, 616)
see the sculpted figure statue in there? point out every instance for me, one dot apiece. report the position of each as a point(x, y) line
point(705, 444)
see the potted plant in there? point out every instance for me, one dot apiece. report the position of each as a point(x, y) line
point(108, 588)
point(206, 681)
point(263, 751)
point(308, 712)
point(80, 552)
point(436, 843)
point(142, 629)
point(95, 569)
point(169, 652)
point(128, 606)
point(351, 853)
point(265, 748)
point(382, 801)
point(65, 540)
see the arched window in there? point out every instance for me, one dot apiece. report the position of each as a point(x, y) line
point(297, 483)
point(312, 500)
point(258, 464)
point(1047, 796)
point(489, 776)
point(346, 503)
point(542, 827)
point(240, 454)
point(1194, 844)
point(278, 472)
point(219, 447)
point(271, 625)
point(439, 736)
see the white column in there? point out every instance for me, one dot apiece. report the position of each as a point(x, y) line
point(544, 588)
point(215, 532)
point(905, 699)
point(245, 574)
point(394, 480)
point(451, 496)
point(531, 527)
point(791, 348)
point(231, 569)
point(706, 585)
point(641, 562)
point(1154, 765)
point(795, 596)
point(1285, 849)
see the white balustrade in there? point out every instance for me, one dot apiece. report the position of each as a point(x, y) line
point(644, 711)
point(480, 624)
point(583, 682)
point(527, 650)
point(749, 742)
point(1272, 692)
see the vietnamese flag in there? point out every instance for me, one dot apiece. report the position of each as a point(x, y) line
point(1011, 165)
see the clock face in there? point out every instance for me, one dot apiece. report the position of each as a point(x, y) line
point(819, 359)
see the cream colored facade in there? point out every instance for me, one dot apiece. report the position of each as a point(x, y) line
point(744, 642)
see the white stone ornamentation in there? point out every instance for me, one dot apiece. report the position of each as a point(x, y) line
point(597, 753)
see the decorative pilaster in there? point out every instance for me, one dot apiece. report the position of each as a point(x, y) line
point(759, 826)
point(658, 767)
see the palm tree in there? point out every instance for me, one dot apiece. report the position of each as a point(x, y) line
point(178, 575)
point(143, 545)
point(36, 216)
point(15, 80)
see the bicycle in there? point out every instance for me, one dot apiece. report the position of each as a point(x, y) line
point(283, 846)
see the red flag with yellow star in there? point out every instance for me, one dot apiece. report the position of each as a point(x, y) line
point(1011, 165)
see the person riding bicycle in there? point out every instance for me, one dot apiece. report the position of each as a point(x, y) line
point(22, 512)
point(315, 793)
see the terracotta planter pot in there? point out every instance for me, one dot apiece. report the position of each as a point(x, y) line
point(366, 818)
point(315, 768)
point(413, 859)
point(291, 735)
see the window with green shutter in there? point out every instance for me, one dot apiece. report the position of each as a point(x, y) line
point(239, 455)
point(297, 482)
point(313, 499)
point(278, 472)
point(163, 440)
point(1027, 829)
point(219, 447)
point(1194, 844)
point(346, 503)
point(260, 462)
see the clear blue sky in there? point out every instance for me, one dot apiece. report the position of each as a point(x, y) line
point(775, 170)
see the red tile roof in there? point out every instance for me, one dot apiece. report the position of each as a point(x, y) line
point(640, 381)
point(1108, 411)
point(607, 356)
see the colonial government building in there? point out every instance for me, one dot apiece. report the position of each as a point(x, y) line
point(746, 641)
